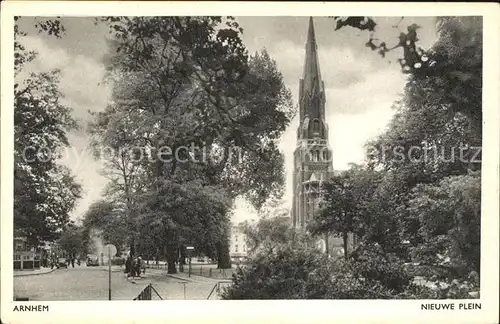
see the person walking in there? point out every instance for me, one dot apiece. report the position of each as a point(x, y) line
point(133, 267)
point(138, 269)
point(128, 265)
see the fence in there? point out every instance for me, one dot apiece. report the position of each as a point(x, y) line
point(212, 272)
point(147, 293)
point(207, 270)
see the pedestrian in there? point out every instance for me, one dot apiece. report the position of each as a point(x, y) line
point(139, 266)
point(133, 267)
point(128, 265)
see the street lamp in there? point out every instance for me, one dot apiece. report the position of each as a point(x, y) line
point(189, 249)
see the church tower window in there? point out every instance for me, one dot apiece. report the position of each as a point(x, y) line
point(315, 127)
point(316, 156)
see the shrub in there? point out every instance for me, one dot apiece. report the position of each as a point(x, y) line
point(288, 271)
point(279, 272)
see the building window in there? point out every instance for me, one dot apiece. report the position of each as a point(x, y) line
point(315, 127)
point(315, 156)
point(236, 248)
point(325, 156)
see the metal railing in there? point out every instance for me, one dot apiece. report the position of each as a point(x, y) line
point(146, 293)
point(217, 289)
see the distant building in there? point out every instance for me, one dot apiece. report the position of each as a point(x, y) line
point(238, 243)
point(25, 257)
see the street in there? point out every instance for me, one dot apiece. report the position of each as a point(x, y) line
point(91, 283)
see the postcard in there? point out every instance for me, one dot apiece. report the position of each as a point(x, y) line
point(249, 162)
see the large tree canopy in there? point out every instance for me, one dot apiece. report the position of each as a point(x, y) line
point(45, 192)
point(194, 111)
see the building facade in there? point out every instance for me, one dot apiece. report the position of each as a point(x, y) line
point(238, 244)
point(313, 155)
point(26, 257)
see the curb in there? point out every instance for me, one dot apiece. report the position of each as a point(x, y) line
point(112, 270)
point(25, 274)
point(194, 278)
point(179, 278)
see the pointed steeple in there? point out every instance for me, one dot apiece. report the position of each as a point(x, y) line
point(311, 37)
point(312, 75)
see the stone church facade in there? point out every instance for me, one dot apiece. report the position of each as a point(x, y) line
point(313, 155)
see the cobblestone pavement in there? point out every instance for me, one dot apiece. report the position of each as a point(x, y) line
point(91, 283)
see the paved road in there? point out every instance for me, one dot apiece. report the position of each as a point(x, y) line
point(91, 283)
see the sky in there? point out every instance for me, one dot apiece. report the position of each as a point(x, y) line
point(360, 85)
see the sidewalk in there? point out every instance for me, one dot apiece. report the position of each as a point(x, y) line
point(42, 270)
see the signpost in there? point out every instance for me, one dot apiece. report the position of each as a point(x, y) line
point(189, 249)
point(111, 252)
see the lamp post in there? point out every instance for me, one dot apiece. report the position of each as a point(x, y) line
point(189, 249)
point(109, 272)
point(111, 251)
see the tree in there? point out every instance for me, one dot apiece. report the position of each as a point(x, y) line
point(44, 191)
point(187, 214)
point(431, 148)
point(450, 216)
point(346, 202)
point(104, 222)
point(267, 232)
point(452, 67)
point(71, 240)
point(180, 82)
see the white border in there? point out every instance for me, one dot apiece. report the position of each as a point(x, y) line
point(301, 311)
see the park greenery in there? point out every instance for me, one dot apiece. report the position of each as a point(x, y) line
point(416, 216)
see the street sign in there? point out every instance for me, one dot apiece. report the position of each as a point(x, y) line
point(111, 249)
point(189, 247)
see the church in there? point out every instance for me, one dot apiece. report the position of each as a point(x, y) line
point(313, 155)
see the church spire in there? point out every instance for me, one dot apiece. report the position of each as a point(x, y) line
point(311, 89)
point(312, 75)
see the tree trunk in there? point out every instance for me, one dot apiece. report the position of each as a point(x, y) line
point(183, 255)
point(345, 238)
point(326, 245)
point(182, 260)
point(171, 258)
point(132, 247)
point(223, 259)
